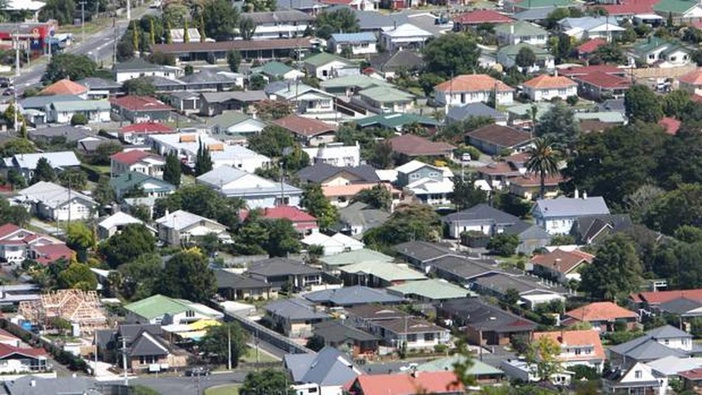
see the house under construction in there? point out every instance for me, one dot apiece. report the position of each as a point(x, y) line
point(73, 305)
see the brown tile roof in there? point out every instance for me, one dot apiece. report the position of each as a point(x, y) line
point(533, 180)
point(241, 45)
point(499, 168)
point(413, 145)
point(604, 80)
point(477, 17)
point(666, 296)
point(605, 68)
point(562, 261)
point(600, 311)
point(550, 82)
point(473, 83)
point(140, 103)
point(305, 127)
point(64, 87)
point(586, 337)
point(405, 384)
point(502, 136)
point(671, 125)
point(591, 46)
point(693, 78)
point(353, 189)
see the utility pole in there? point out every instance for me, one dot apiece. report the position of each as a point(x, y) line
point(82, 19)
point(229, 348)
point(114, 41)
point(17, 55)
point(124, 360)
point(129, 11)
point(96, 356)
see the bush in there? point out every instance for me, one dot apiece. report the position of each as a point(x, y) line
point(440, 348)
point(79, 119)
point(572, 100)
point(503, 244)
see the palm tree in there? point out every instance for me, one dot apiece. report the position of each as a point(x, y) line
point(533, 112)
point(543, 160)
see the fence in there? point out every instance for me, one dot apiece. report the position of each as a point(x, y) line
point(267, 335)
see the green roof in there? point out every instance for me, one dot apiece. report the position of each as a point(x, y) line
point(229, 118)
point(395, 120)
point(323, 58)
point(679, 7)
point(384, 94)
point(356, 256)
point(360, 81)
point(513, 50)
point(157, 306)
point(432, 289)
point(521, 28)
point(389, 272)
point(523, 110)
point(529, 4)
point(82, 105)
point(648, 45)
point(274, 69)
point(478, 367)
point(127, 181)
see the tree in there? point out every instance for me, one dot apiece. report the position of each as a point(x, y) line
point(503, 244)
point(466, 195)
point(79, 119)
point(642, 104)
point(104, 151)
point(152, 33)
point(676, 102)
point(209, 244)
point(186, 33)
point(451, 54)
point(103, 192)
point(680, 263)
point(133, 241)
point(187, 276)
point(257, 82)
point(139, 277)
point(525, 59)
point(141, 86)
point(382, 155)
point(79, 276)
point(189, 70)
point(610, 53)
point(408, 222)
point(43, 172)
point(318, 206)
point(615, 270)
point(233, 60)
point(676, 208)
point(203, 160)
point(80, 238)
point(172, 170)
point(378, 197)
point(543, 160)
point(315, 343)
point(215, 343)
point(543, 356)
point(272, 141)
point(341, 20)
point(201, 200)
point(15, 214)
point(73, 178)
point(559, 124)
point(258, 235)
point(135, 36)
point(247, 28)
point(269, 110)
point(67, 65)
point(60, 10)
point(220, 19)
point(267, 381)
point(17, 146)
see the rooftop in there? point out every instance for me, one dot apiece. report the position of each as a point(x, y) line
point(473, 83)
point(579, 338)
point(350, 296)
point(545, 81)
point(140, 103)
point(413, 145)
point(561, 260)
point(477, 17)
point(432, 289)
point(406, 384)
point(601, 311)
point(306, 127)
point(64, 87)
point(502, 136)
point(572, 207)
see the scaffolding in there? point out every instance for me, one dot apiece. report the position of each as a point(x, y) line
point(73, 305)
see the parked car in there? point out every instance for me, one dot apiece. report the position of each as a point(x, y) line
point(8, 92)
point(5, 82)
point(197, 371)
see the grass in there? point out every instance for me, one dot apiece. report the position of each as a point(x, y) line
point(250, 356)
point(229, 389)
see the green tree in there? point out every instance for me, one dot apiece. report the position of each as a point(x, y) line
point(610, 53)
point(152, 33)
point(525, 59)
point(272, 141)
point(80, 238)
point(78, 275)
point(67, 65)
point(172, 170)
point(187, 276)
point(234, 60)
point(104, 151)
point(43, 172)
point(559, 124)
point(282, 238)
point(135, 36)
point(133, 241)
point(140, 276)
point(17, 146)
point(220, 19)
point(688, 234)
point(382, 156)
point(543, 160)
point(543, 355)
point(676, 102)
point(451, 54)
point(186, 33)
point(642, 104)
point(267, 381)
point(615, 270)
point(341, 20)
point(319, 206)
point(203, 160)
point(466, 195)
point(103, 192)
point(215, 343)
point(79, 119)
point(407, 222)
point(141, 86)
point(673, 209)
point(73, 178)
point(247, 28)
point(378, 197)
point(315, 343)
point(209, 244)
point(503, 244)
point(256, 81)
point(16, 214)
point(60, 10)
point(201, 200)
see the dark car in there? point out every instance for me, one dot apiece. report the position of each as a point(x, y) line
point(5, 82)
point(197, 371)
point(8, 92)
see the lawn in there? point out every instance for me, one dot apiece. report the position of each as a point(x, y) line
point(250, 356)
point(230, 389)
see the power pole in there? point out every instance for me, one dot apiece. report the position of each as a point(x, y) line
point(114, 41)
point(124, 360)
point(17, 55)
point(229, 348)
point(96, 356)
point(82, 19)
point(129, 11)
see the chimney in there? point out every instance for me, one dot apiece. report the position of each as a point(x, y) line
point(584, 195)
point(577, 194)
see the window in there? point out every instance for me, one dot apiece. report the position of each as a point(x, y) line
point(189, 314)
point(578, 351)
point(561, 92)
point(666, 342)
point(412, 337)
point(638, 374)
point(673, 58)
point(428, 337)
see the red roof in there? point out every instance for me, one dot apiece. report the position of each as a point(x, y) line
point(532, 180)
point(140, 103)
point(630, 7)
point(413, 145)
point(478, 17)
point(592, 45)
point(671, 125)
point(693, 374)
point(582, 338)
point(64, 87)
point(601, 311)
point(604, 80)
point(305, 127)
point(147, 128)
point(6, 350)
point(405, 384)
point(131, 157)
point(294, 214)
point(51, 253)
point(8, 229)
point(666, 296)
point(604, 68)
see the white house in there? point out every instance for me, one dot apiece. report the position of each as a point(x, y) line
point(279, 24)
point(321, 373)
point(138, 67)
point(556, 216)
point(25, 164)
point(660, 52)
point(114, 224)
point(333, 245)
point(162, 310)
point(258, 192)
point(521, 32)
point(405, 36)
point(430, 184)
point(589, 27)
point(546, 88)
point(16, 244)
point(507, 57)
point(181, 226)
point(95, 111)
point(139, 161)
point(56, 203)
point(578, 348)
point(475, 88)
point(335, 154)
point(234, 122)
point(325, 66)
point(356, 44)
point(306, 100)
point(385, 99)
point(640, 379)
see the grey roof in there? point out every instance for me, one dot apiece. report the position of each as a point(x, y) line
point(218, 177)
point(322, 171)
point(158, 81)
point(645, 349)
point(349, 296)
point(668, 332)
point(400, 59)
point(329, 367)
point(136, 64)
point(361, 214)
point(337, 332)
point(461, 113)
point(55, 159)
point(422, 250)
point(277, 17)
point(281, 267)
point(462, 268)
point(99, 83)
point(373, 20)
point(132, 331)
point(298, 5)
point(613, 105)
point(227, 279)
point(680, 306)
point(485, 214)
point(294, 309)
point(148, 344)
point(40, 102)
point(501, 283)
point(52, 195)
point(572, 207)
point(247, 96)
point(209, 77)
point(59, 385)
point(184, 95)
point(71, 133)
point(534, 14)
point(589, 226)
point(476, 312)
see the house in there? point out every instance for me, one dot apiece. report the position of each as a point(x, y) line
point(355, 44)
point(382, 99)
point(378, 275)
point(546, 87)
point(25, 164)
point(275, 70)
point(691, 81)
point(40, 384)
point(599, 85)
point(659, 52)
point(601, 121)
point(294, 317)
point(22, 360)
point(82, 308)
point(429, 291)
point(212, 80)
point(411, 146)
point(352, 296)
point(482, 372)
point(137, 133)
point(305, 99)
point(654, 301)
point(474, 18)
point(162, 310)
point(499, 174)
point(398, 121)
point(485, 324)
point(640, 378)
point(215, 103)
point(603, 316)
point(496, 139)
point(410, 332)
point(592, 229)
point(309, 132)
point(233, 286)
point(65, 87)
point(181, 227)
point(284, 273)
point(420, 253)
point(358, 218)
point(556, 216)
point(9, 339)
point(303, 222)
point(440, 383)
point(56, 203)
point(95, 111)
point(475, 88)
point(147, 349)
point(137, 161)
point(589, 27)
point(138, 67)
point(18, 244)
point(141, 108)
point(344, 337)
point(507, 57)
point(491, 222)
point(335, 244)
point(335, 154)
point(587, 49)
point(280, 24)
point(349, 85)
point(178, 35)
point(525, 372)
point(134, 183)
point(53, 133)
point(521, 32)
point(389, 63)
point(561, 265)
point(324, 372)
point(578, 348)
point(258, 192)
point(100, 88)
point(114, 224)
point(531, 292)
point(654, 344)
point(332, 263)
point(342, 195)
point(404, 37)
point(680, 11)
point(456, 114)
point(328, 175)
point(528, 186)
point(429, 184)
point(236, 123)
point(325, 66)
point(185, 102)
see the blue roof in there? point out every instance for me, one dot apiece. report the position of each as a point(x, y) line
point(354, 37)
